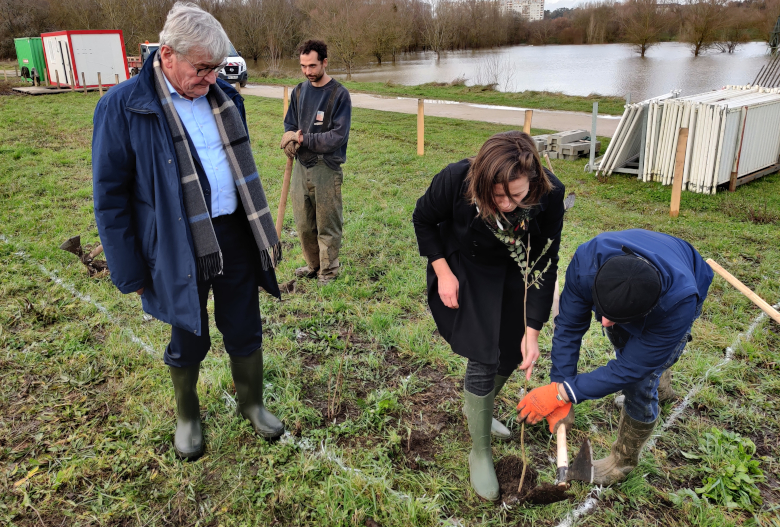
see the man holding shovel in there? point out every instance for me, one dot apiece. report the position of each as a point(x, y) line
point(316, 132)
point(645, 289)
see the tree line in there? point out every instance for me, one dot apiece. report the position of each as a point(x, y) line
point(267, 31)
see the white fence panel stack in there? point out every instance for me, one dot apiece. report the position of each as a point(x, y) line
point(736, 129)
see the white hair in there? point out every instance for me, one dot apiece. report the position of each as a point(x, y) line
point(189, 27)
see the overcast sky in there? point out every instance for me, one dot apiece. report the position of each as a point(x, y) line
point(552, 5)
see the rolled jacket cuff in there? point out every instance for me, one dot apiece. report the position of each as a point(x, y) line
point(570, 392)
point(535, 324)
point(131, 287)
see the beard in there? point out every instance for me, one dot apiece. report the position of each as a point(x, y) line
point(316, 78)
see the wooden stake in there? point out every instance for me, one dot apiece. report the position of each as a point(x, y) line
point(100, 85)
point(283, 198)
point(549, 163)
point(84, 82)
point(679, 164)
point(745, 290)
point(116, 79)
point(5, 74)
point(733, 182)
point(420, 127)
point(286, 101)
point(57, 76)
point(527, 123)
point(237, 86)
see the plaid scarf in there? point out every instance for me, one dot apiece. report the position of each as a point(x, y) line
point(239, 154)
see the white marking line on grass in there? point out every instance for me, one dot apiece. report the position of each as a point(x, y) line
point(589, 505)
point(86, 298)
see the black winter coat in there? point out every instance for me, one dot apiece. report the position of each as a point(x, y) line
point(489, 321)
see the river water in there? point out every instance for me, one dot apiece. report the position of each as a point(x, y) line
point(606, 69)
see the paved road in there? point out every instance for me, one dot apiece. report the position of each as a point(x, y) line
point(545, 119)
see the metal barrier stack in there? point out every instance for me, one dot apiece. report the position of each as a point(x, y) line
point(733, 135)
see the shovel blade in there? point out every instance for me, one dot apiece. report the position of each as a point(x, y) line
point(72, 245)
point(581, 467)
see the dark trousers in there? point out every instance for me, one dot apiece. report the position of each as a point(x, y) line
point(480, 377)
point(236, 302)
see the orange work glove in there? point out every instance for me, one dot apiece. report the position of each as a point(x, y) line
point(561, 416)
point(539, 403)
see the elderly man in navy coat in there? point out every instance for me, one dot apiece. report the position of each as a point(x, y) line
point(646, 289)
point(181, 211)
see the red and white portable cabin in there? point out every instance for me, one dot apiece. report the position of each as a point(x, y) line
point(71, 53)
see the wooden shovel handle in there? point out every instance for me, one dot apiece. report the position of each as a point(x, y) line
point(745, 290)
point(283, 198)
point(563, 453)
point(97, 250)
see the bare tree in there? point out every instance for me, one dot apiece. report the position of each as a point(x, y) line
point(342, 24)
point(641, 24)
point(702, 23)
point(245, 23)
point(279, 24)
point(386, 31)
point(737, 28)
point(438, 25)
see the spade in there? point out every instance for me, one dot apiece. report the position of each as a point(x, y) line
point(580, 469)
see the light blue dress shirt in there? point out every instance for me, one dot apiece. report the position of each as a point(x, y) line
point(197, 118)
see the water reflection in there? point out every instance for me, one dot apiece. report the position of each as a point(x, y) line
point(608, 69)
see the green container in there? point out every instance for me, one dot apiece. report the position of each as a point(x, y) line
point(32, 65)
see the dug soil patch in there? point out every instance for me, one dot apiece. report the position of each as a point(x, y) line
point(509, 470)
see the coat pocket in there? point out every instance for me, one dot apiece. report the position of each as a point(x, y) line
point(149, 240)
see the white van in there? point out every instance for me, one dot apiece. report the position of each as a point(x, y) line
point(235, 71)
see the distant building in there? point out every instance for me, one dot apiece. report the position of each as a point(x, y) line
point(528, 9)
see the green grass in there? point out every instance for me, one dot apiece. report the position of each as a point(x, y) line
point(542, 100)
point(87, 416)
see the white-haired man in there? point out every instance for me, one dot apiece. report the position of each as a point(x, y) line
point(181, 210)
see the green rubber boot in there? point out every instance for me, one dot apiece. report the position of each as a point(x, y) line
point(631, 438)
point(497, 428)
point(479, 413)
point(188, 441)
point(248, 378)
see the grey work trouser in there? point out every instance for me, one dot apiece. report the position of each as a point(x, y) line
point(316, 200)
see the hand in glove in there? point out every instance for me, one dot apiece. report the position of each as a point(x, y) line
point(292, 149)
point(287, 137)
point(539, 403)
point(561, 416)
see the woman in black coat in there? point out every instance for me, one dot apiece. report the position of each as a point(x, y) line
point(475, 223)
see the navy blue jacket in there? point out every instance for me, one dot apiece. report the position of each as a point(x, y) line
point(685, 278)
point(139, 208)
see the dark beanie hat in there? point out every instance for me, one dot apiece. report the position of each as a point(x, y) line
point(626, 287)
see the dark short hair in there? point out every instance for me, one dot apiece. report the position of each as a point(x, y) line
point(314, 45)
point(505, 157)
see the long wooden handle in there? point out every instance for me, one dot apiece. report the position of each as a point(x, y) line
point(745, 290)
point(283, 198)
point(563, 454)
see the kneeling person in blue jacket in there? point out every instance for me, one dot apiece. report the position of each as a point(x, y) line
point(646, 289)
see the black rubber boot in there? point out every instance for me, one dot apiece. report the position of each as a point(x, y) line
point(248, 378)
point(188, 441)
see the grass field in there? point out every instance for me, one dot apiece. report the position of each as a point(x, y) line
point(458, 91)
point(87, 409)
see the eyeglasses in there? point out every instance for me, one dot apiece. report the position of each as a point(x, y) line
point(202, 72)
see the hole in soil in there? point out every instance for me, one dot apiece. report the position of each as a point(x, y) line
point(510, 468)
point(418, 447)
